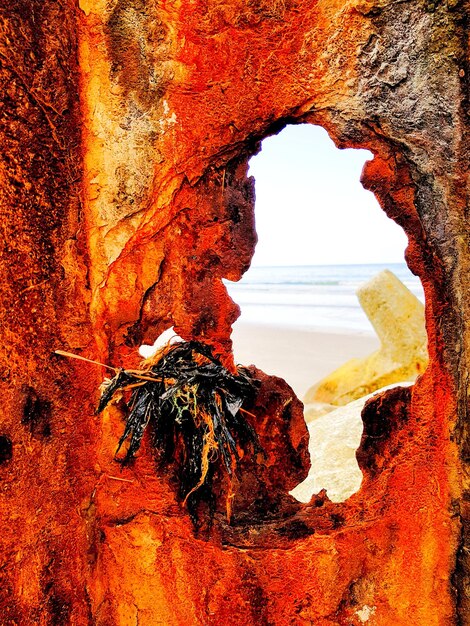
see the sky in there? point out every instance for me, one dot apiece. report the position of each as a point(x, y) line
point(311, 208)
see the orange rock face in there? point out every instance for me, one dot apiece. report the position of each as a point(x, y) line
point(126, 131)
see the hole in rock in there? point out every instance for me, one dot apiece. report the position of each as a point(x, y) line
point(321, 236)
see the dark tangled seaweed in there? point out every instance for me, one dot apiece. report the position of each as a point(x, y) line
point(188, 397)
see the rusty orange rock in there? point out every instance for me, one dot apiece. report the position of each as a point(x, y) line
point(126, 131)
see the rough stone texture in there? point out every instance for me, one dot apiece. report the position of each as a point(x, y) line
point(398, 319)
point(335, 435)
point(121, 214)
point(334, 439)
point(47, 431)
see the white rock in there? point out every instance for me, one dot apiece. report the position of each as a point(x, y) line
point(334, 439)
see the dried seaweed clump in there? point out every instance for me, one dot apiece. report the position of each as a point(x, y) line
point(194, 407)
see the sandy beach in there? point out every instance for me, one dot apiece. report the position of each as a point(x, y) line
point(301, 357)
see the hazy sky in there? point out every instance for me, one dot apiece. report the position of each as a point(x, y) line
point(311, 208)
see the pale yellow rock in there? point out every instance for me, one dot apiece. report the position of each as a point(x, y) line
point(316, 409)
point(398, 319)
point(334, 439)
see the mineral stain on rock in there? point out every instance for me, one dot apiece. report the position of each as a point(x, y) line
point(37, 414)
point(135, 32)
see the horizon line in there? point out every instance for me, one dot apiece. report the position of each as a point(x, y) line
point(330, 264)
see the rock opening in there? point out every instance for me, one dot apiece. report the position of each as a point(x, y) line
point(300, 315)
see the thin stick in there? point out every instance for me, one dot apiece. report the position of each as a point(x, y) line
point(121, 480)
point(247, 412)
point(82, 358)
point(134, 386)
point(139, 376)
point(136, 374)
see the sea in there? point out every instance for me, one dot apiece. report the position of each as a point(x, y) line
point(311, 297)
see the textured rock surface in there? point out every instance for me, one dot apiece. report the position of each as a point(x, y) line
point(335, 435)
point(334, 439)
point(398, 319)
point(126, 127)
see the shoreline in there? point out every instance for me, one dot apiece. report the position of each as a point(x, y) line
point(299, 355)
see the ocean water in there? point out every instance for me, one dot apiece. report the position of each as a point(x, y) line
point(314, 297)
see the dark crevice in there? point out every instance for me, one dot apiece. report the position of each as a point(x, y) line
point(6, 449)
point(37, 414)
